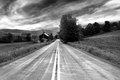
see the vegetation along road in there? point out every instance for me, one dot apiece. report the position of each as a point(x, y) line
point(59, 61)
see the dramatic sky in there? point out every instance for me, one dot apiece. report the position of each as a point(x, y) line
point(39, 14)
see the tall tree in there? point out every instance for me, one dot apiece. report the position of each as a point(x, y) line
point(69, 31)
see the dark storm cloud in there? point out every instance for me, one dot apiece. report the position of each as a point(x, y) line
point(6, 2)
point(5, 6)
point(54, 9)
point(47, 13)
point(35, 9)
point(72, 0)
point(88, 9)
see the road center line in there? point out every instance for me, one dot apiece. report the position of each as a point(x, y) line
point(54, 67)
point(58, 63)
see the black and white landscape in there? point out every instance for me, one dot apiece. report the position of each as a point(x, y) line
point(59, 39)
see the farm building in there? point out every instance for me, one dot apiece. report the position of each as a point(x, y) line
point(44, 37)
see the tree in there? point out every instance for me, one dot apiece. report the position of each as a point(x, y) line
point(51, 36)
point(89, 30)
point(81, 32)
point(69, 31)
point(107, 27)
point(28, 37)
point(96, 28)
point(18, 38)
point(8, 38)
point(114, 26)
point(119, 25)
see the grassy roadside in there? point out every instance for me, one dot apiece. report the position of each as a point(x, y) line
point(107, 47)
point(13, 53)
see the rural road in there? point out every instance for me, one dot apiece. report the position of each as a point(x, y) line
point(59, 61)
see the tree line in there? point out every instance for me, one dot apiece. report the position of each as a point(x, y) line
point(10, 37)
point(96, 28)
point(23, 37)
point(70, 31)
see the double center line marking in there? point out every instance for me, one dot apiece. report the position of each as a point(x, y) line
point(56, 66)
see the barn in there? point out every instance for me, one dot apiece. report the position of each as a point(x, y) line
point(44, 37)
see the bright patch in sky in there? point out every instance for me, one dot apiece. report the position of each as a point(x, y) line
point(43, 14)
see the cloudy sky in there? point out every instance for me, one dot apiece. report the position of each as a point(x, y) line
point(39, 14)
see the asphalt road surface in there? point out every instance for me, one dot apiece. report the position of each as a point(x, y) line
point(58, 61)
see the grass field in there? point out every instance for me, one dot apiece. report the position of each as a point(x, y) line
point(9, 47)
point(106, 46)
point(11, 52)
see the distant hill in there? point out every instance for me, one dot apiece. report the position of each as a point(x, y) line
point(36, 32)
point(13, 31)
point(54, 30)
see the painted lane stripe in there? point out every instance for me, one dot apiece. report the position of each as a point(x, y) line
point(58, 63)
point(54, 67)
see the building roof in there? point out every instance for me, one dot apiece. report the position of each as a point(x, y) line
point(45, 34)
